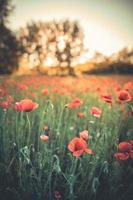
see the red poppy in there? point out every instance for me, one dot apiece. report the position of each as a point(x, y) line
point(44, 138)
point(4, 104)
point(78, 146)
point(23, 87)
point(107, 98)
point(25, 105)
point(123, 96)
point(131, 142)
point(2, 92)
point(74, 104)
point(128, 85)
point(96, 112)
point(117, 88)
point(32, 94)
point(80, 115)
point(45, 92)
point(84, 135)
point(124, 147)
point(57, 194)
point(121, 156)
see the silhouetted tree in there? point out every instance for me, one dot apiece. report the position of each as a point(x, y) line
point(8, 42)
point(5, 9)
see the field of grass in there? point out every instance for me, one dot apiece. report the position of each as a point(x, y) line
point(66, 138)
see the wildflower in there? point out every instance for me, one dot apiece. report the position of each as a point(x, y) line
point(121, 156)
point(131, 142)
point(4, 104)
point(124, 147)
point(91, 122)
point(44, 138)
point(45, 92)
point(96, 112)
point(126, 151)
point(25, 105)
point(80, 115)
point(128, 85)
point(84, 135)
point(123, 96)
point(117, 88)
point(2, 92)
point(78, 146)
point(57, 194)
point(23, 87)
point(32, 94)
point(107, 98)
point(74, 104)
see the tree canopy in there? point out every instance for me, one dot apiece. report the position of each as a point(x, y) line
point(52, 43)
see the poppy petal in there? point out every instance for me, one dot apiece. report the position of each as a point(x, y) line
point(89, 151)
point(78, 153)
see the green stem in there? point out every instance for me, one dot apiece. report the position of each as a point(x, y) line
point(29, 128)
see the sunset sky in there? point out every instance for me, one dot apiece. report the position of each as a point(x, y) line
point(107, 23)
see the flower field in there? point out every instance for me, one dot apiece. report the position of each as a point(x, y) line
point(66, 138)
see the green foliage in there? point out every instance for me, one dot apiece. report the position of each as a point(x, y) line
point(8, 43)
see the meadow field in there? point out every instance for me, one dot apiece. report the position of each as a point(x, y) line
point(66, 138)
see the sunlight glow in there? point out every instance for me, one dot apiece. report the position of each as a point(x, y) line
point(99, 39)
point(49, 62)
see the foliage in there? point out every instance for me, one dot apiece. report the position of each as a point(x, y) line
point(8, 42)
point(118, 63)
point(5, 9)
point(52, 43)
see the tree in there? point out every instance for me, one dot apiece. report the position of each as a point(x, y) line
point(52, 44)
point(8, 42)
point(5, 9)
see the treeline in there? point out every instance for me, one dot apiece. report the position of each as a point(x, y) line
point(121, 63)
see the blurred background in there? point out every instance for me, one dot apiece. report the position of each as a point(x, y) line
point(66, 37)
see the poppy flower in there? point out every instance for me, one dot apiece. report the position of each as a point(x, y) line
point(128, 85)
point(4, 104)
point(107, 98)
point(84, 135)
point(131, 142)
point(123, 96)
point(124, 147)
point(74, 104)
point(57, 194)
point(23, 87)
point(25, 105)
point(96, 112)
point(45, 92)
point(121, 156)
point(44, 138)
point(78, 146)
point(80, 115)
point(32, 94)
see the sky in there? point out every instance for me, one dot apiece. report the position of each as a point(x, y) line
point(107, 24)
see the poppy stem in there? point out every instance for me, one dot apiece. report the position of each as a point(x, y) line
point(29, 127)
